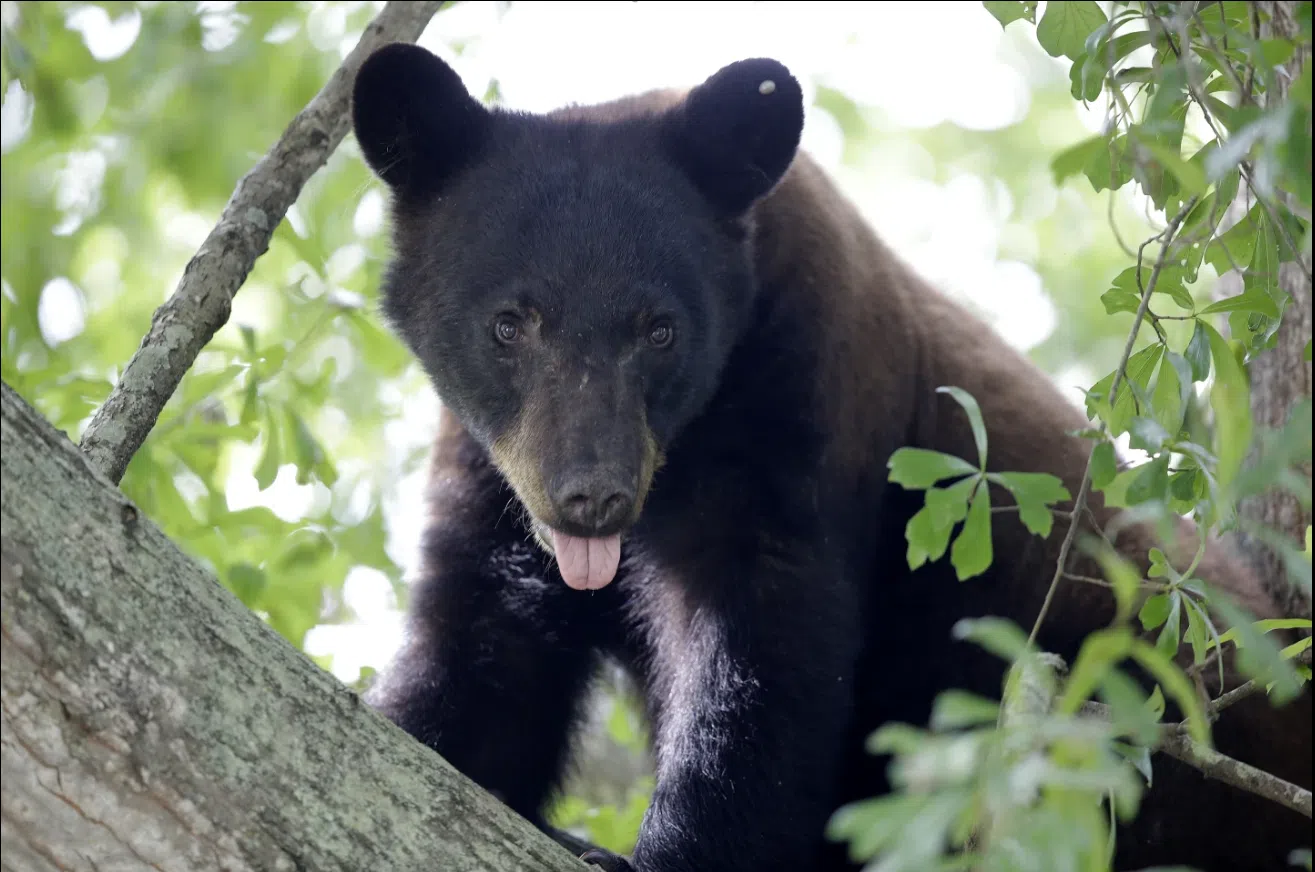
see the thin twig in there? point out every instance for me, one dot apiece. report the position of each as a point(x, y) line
point(1080, 504)
point(201, 303)
point(1157, 586)
point(1236, 695)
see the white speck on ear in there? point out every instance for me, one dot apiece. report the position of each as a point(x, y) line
point(767, 87)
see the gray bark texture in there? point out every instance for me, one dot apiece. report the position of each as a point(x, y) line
point(152, 722)
point(1281, 377)
point(201, 303)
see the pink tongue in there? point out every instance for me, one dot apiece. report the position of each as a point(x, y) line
point(586, 564)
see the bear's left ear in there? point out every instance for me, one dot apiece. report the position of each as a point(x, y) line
point(737, 133)
point(414, 119)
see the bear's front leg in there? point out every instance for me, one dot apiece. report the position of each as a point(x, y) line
point(496, 663)
point(750, 679)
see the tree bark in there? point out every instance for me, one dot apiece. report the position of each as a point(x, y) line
point(1281, 377)
point(150, 721)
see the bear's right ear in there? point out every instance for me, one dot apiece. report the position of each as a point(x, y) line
point(414, 119)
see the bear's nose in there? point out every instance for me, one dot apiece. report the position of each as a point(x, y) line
point(595, 502)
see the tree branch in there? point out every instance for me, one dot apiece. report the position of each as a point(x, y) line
point(1174, 741)
point(149, 721)
point(1080, 503)
point(201, 303)
point(1234, 772)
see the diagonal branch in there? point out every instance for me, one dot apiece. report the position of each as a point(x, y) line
point(201, 303)
point(1234, 772)
point(1174, 741)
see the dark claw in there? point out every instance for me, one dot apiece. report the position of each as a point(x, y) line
point(606, 860)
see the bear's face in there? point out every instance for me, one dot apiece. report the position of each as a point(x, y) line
point(574, 284)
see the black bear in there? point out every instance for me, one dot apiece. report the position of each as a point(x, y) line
point(674, 362)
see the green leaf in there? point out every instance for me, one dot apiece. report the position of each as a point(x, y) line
point(970, 406)
point(1034, 492)
point(1131, 713)
point(306, 450)
point(267, 469)
point(1276, 52)
point(304, 550)
point(1156, 703)
point(1108, 52)
point(1139, 756)
point(1191, 178)
point(1086, 80)
point(1125, 579)
point(1103, 465)
point(1247, 301)
point(949, 505)
point(918, 468)
point(1238, 244)
point(1000, 636)
point(1171, 632)
point(1196, 631)
point(1162, 123)
point(1160, 567)
point(1147, 434)
point(246, 582)
point(1268, 127)
point(1098, 654)
point(1151, 481)
point(1155, 611)
point(198, 386)
point(1268, 625)
point(1072, 160)
point(1120, 301)
point(1111, 168)
point(1171, 392)
point(1064, 27)
point(1169, 282)
point(971, 554)
point(1140, 368)
point(955, 709)
point(1198, 353)
point(928, 531)
point(1009, 11)
point(1186, 486)
point(926, 540)
point(1230, 399)
point(1177, 686)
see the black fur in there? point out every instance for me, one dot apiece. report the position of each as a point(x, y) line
point(763, 601)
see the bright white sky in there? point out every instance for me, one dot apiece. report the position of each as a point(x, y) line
point(546, 54)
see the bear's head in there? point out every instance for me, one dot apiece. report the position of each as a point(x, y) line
point(573, 283)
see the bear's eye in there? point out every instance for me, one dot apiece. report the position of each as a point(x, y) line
point(507, 330)
point(661, 334)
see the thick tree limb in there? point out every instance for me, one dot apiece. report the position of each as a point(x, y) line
point(201, 303)
point(150, 721)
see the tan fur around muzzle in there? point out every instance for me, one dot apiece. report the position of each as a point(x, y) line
point(517, 455)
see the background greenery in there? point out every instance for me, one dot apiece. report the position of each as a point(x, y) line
point(290, 457)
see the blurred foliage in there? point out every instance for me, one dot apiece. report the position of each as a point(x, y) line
point(113, 171)
point(977, 789)
point(116, 163)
